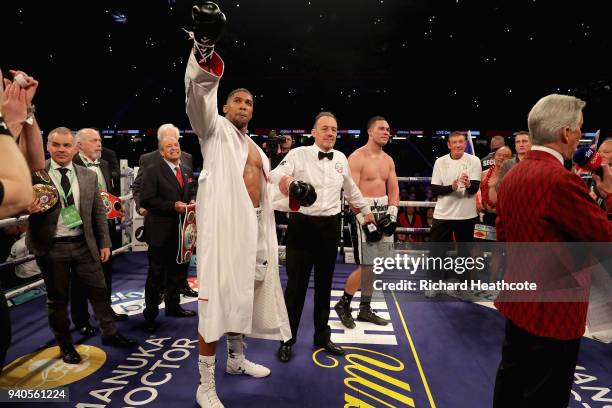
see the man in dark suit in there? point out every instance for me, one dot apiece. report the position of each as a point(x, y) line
point(154, 158)
point(72, 238)
point(89, 145)
point(167, 188)
point(540, 201)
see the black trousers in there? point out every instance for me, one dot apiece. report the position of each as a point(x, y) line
point(442, 235)
point(66, 263)
point(78, 301)
point(311, 242)
point(534, 371)
point(163, 271)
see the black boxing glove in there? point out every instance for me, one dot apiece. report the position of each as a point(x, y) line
point(388, 222)
point(370, 229)
point(208, 21)
point(303, 193)
point(208, 24)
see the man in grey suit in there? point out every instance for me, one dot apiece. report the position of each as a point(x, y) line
point(72, 237)
point(89, 145)
point(155, 159)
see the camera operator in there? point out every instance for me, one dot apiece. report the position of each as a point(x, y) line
point(276, 147)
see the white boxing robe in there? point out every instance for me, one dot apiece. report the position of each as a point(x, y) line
point(229, 298)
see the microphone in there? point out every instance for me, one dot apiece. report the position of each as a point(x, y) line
point(589, 160)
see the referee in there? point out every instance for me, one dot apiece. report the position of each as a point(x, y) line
point(313, 233)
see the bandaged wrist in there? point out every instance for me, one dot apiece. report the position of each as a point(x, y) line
point(392, 211)
point(360, 218)
point(365, 210)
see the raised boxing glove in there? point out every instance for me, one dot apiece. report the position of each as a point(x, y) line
point(208, 24)
point(208, 21)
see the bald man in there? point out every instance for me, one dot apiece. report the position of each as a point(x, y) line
point(89, 147)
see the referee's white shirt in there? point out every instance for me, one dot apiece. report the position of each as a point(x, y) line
point(328, 177)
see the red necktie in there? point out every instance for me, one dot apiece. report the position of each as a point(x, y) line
point(179, 176)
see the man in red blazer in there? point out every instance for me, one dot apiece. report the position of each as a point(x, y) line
point(540, 201)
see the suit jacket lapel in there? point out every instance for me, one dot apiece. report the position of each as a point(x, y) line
point(85, 191)
point(106, 173)
point(185, 189)
point(77, 159)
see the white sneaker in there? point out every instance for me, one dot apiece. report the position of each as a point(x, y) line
point(244, 366)
point(207, 397)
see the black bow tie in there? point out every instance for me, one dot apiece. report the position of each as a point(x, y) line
point(329, 155)
point(91, 164)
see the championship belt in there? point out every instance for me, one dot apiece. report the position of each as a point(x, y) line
point(45, 192)
point(113, 206)
point(187, 235)
point(486, 232)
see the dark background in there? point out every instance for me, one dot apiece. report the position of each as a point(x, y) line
point(425, 65)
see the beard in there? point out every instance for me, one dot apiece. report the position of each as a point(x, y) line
point(239, 121)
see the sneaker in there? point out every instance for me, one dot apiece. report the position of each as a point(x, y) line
point(207, 397)
point(343, 309)
point(246, 367)
point(366, 314)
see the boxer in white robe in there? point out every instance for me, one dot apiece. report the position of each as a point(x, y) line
point(233, 193)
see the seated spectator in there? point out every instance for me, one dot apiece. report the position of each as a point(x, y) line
point(408, 218)
point(428, 222)
point(19, 250)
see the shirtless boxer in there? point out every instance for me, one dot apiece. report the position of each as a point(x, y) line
point(239, 284)
point(374, 173)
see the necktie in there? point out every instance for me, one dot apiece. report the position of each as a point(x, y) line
point(92, 164)
point(65, 182)
point(179, 176)
point(329, 155)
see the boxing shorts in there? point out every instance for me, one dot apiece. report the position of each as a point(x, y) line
point(364, 251)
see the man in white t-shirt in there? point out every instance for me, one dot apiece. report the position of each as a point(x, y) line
point(455, 180)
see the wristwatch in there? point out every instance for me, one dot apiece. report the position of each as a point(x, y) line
point(4, 130)
point(30, 118)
